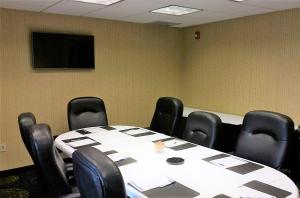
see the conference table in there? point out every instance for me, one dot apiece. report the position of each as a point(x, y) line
point(156, 165)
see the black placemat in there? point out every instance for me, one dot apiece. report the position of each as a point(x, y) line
point(95, 143)
point(74, 139)
point(125, 130)
point(268, 189)
point(125, 162)
point(245, 168)
point(183, 146)
point(163, 140)
point(143, 134)
point(214, 157)
point(110, 152)
point(91, 144)
point(83, 132)
point(173, 190)
point(221, 196)
point(108, 128)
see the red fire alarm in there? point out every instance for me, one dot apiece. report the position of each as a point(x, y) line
point(197, 35)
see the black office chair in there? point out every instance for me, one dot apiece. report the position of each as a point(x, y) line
point(202, 128)
point(86, 112)
point(26, 120)
point(265, 138)
point(167, 115)
point(49, 163)
point(96, 175)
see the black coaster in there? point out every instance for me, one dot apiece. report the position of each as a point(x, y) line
point(175, 160)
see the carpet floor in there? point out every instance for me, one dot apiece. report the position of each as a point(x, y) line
point(22, 184)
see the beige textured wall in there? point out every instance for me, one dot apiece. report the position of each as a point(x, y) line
point(245, 64)
point(236, 66)
point(1, 85)
point(135, 64)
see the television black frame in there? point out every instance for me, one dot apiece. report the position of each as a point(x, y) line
point(66, 35)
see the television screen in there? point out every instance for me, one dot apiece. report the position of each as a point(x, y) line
point(51, 50)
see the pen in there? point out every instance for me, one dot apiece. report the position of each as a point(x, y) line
point(134, 186)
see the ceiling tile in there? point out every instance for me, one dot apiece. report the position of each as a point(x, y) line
point(169, 2)
point(70, 7)
point(185, 20)
point(234, 9)
point(150, 17)
point(139, 10)
point(275, 4)
point(125, 8)
point(29, 5)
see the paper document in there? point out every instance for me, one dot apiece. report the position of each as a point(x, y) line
point(81, 142)
point(117, 157)
point(94, 130)
point(143, 183)
point(102, 148)
point(227, 162)
point(157, 136)
point(244, 191)
point(175, 142)
point(135, 132)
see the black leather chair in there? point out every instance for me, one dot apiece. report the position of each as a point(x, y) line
point(86, 112)
point(265, 138)
point(96, 175)
point(202, 128)
point(167, 115)
point(26, 121)
point(49, 163)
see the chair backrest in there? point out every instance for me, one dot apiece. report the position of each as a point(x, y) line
point(167, 115)
point(96, 175)
point(86, 112)
point(265, 138)
point(48, 161)
point(26, 121)
point(202, 128)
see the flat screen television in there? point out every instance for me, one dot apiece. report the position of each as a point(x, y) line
point(66, 51)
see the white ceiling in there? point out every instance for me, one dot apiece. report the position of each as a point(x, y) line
point(138, 11)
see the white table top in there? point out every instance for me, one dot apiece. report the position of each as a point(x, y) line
point(226, 118)
point(207, 178)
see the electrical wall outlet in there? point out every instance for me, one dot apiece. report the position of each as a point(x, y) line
point(2, 147)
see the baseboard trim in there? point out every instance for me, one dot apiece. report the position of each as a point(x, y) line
point(16, 170)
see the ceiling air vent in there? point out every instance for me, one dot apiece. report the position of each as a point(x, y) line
point(163, 23)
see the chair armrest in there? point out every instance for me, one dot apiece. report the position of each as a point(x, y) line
point(72, 195)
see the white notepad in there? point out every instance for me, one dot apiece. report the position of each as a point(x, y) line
point(102, 148)
point(172, 143)
point(227, 162)
point(244, 191)
point(144, 182)
point(117, 157)
point(81, 142)
point(94, 130)
point(135, 132)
